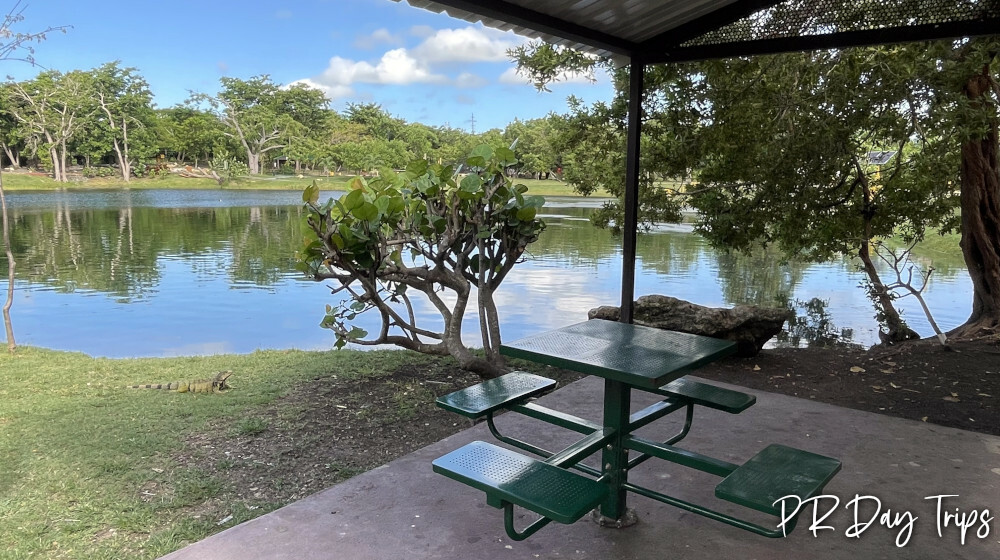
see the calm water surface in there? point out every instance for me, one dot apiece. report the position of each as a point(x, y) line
point(180, 272)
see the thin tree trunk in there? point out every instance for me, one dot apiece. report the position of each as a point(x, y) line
point(8, 326)
point(980, 203)
point(13, 157)
point(897, 329)
point(62, 162)
point(123, 165)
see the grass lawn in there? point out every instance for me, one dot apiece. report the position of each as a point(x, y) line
point(25, 182)
point(92, 469)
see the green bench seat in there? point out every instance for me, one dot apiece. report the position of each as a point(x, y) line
point(494, 394)
point(508, 476)
point(711, 396)
point(777, 471)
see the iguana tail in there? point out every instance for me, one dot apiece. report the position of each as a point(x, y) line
point(216, 384)
point(172, 386)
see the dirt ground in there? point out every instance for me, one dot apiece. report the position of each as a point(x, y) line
point(333, 428)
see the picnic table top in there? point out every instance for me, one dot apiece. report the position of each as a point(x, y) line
point(643, 357)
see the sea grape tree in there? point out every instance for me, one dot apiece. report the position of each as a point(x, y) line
point(428, 232)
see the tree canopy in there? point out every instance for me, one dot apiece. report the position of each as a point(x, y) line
point(773, 150)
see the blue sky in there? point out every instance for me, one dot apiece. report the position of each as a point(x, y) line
point(418, 65)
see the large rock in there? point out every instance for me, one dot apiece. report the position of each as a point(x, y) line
point(747, 325)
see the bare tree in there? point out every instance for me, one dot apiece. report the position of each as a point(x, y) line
point(903, 265)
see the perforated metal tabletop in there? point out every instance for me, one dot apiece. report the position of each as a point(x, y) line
point(642, 357)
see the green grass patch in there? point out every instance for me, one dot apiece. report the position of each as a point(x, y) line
point(89, 467)
point(250, 426)
point(551, 187)
point(37, 182)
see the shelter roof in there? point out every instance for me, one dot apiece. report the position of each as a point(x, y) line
point(684, 30)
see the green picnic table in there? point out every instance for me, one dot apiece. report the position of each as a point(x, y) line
point(628, 357)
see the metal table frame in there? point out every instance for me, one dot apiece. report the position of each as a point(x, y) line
point(628, 357)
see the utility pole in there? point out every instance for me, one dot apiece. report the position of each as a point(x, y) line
point(473, 121)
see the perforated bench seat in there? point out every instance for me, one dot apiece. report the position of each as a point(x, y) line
point(494, 394)
point(777, 471)
point(711, 396)
point(508, 476)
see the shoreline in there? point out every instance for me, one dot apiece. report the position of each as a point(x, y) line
point(34, 182)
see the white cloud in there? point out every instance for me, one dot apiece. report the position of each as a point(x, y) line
point(283, 14)
point(419, 65)
point(470, 81)
point(514, 77)
point(331, 91)
point(378, 37)
point(396, 67)
point(469, 44)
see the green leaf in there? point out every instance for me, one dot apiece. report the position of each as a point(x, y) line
point(535, 201)
point(353, 199)
point(311, 193)
point(367, 211)
point(476, 161)
point(527, 213)
point(505, 156)
point(357, 333)
point(417, 167)
point(472, 183)
point(484, 151)
point(382, 204)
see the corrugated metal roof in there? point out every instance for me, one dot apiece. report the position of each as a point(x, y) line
point(675, 30)
point(632, 21)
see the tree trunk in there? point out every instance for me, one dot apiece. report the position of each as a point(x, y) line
point(897, 329)
point(453, 341)
point(62, 162)
point(980, 202)
point(253, 161)
point(13, 156)
point(8, 326)
point(123, 164)
point(56, 170)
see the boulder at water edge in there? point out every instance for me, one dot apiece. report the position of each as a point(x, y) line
point(749, 326)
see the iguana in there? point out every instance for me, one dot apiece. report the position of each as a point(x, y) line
point(215, 384)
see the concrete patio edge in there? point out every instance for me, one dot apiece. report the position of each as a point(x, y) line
point(894, 473)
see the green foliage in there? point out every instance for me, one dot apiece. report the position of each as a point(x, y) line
point(229, 168)
point(772, 150)
point(422, 230)
point(251, 426)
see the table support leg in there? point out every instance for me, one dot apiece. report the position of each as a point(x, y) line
point(614, 458)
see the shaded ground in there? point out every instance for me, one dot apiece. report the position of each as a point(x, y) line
point(330, 429)
point(959, 388)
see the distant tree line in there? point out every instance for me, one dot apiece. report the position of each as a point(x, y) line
point(104, 120)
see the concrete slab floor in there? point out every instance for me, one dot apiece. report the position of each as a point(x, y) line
point(404, 510)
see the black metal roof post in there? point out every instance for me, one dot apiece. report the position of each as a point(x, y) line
point(637, 69)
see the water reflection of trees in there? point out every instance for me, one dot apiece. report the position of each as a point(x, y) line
point(811, 326)
point(121, 251)
point(117, 251)
point(759, 279)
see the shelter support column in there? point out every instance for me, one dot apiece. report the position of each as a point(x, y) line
point(637, 70)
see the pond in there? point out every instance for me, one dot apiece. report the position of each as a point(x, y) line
point(129, 273)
